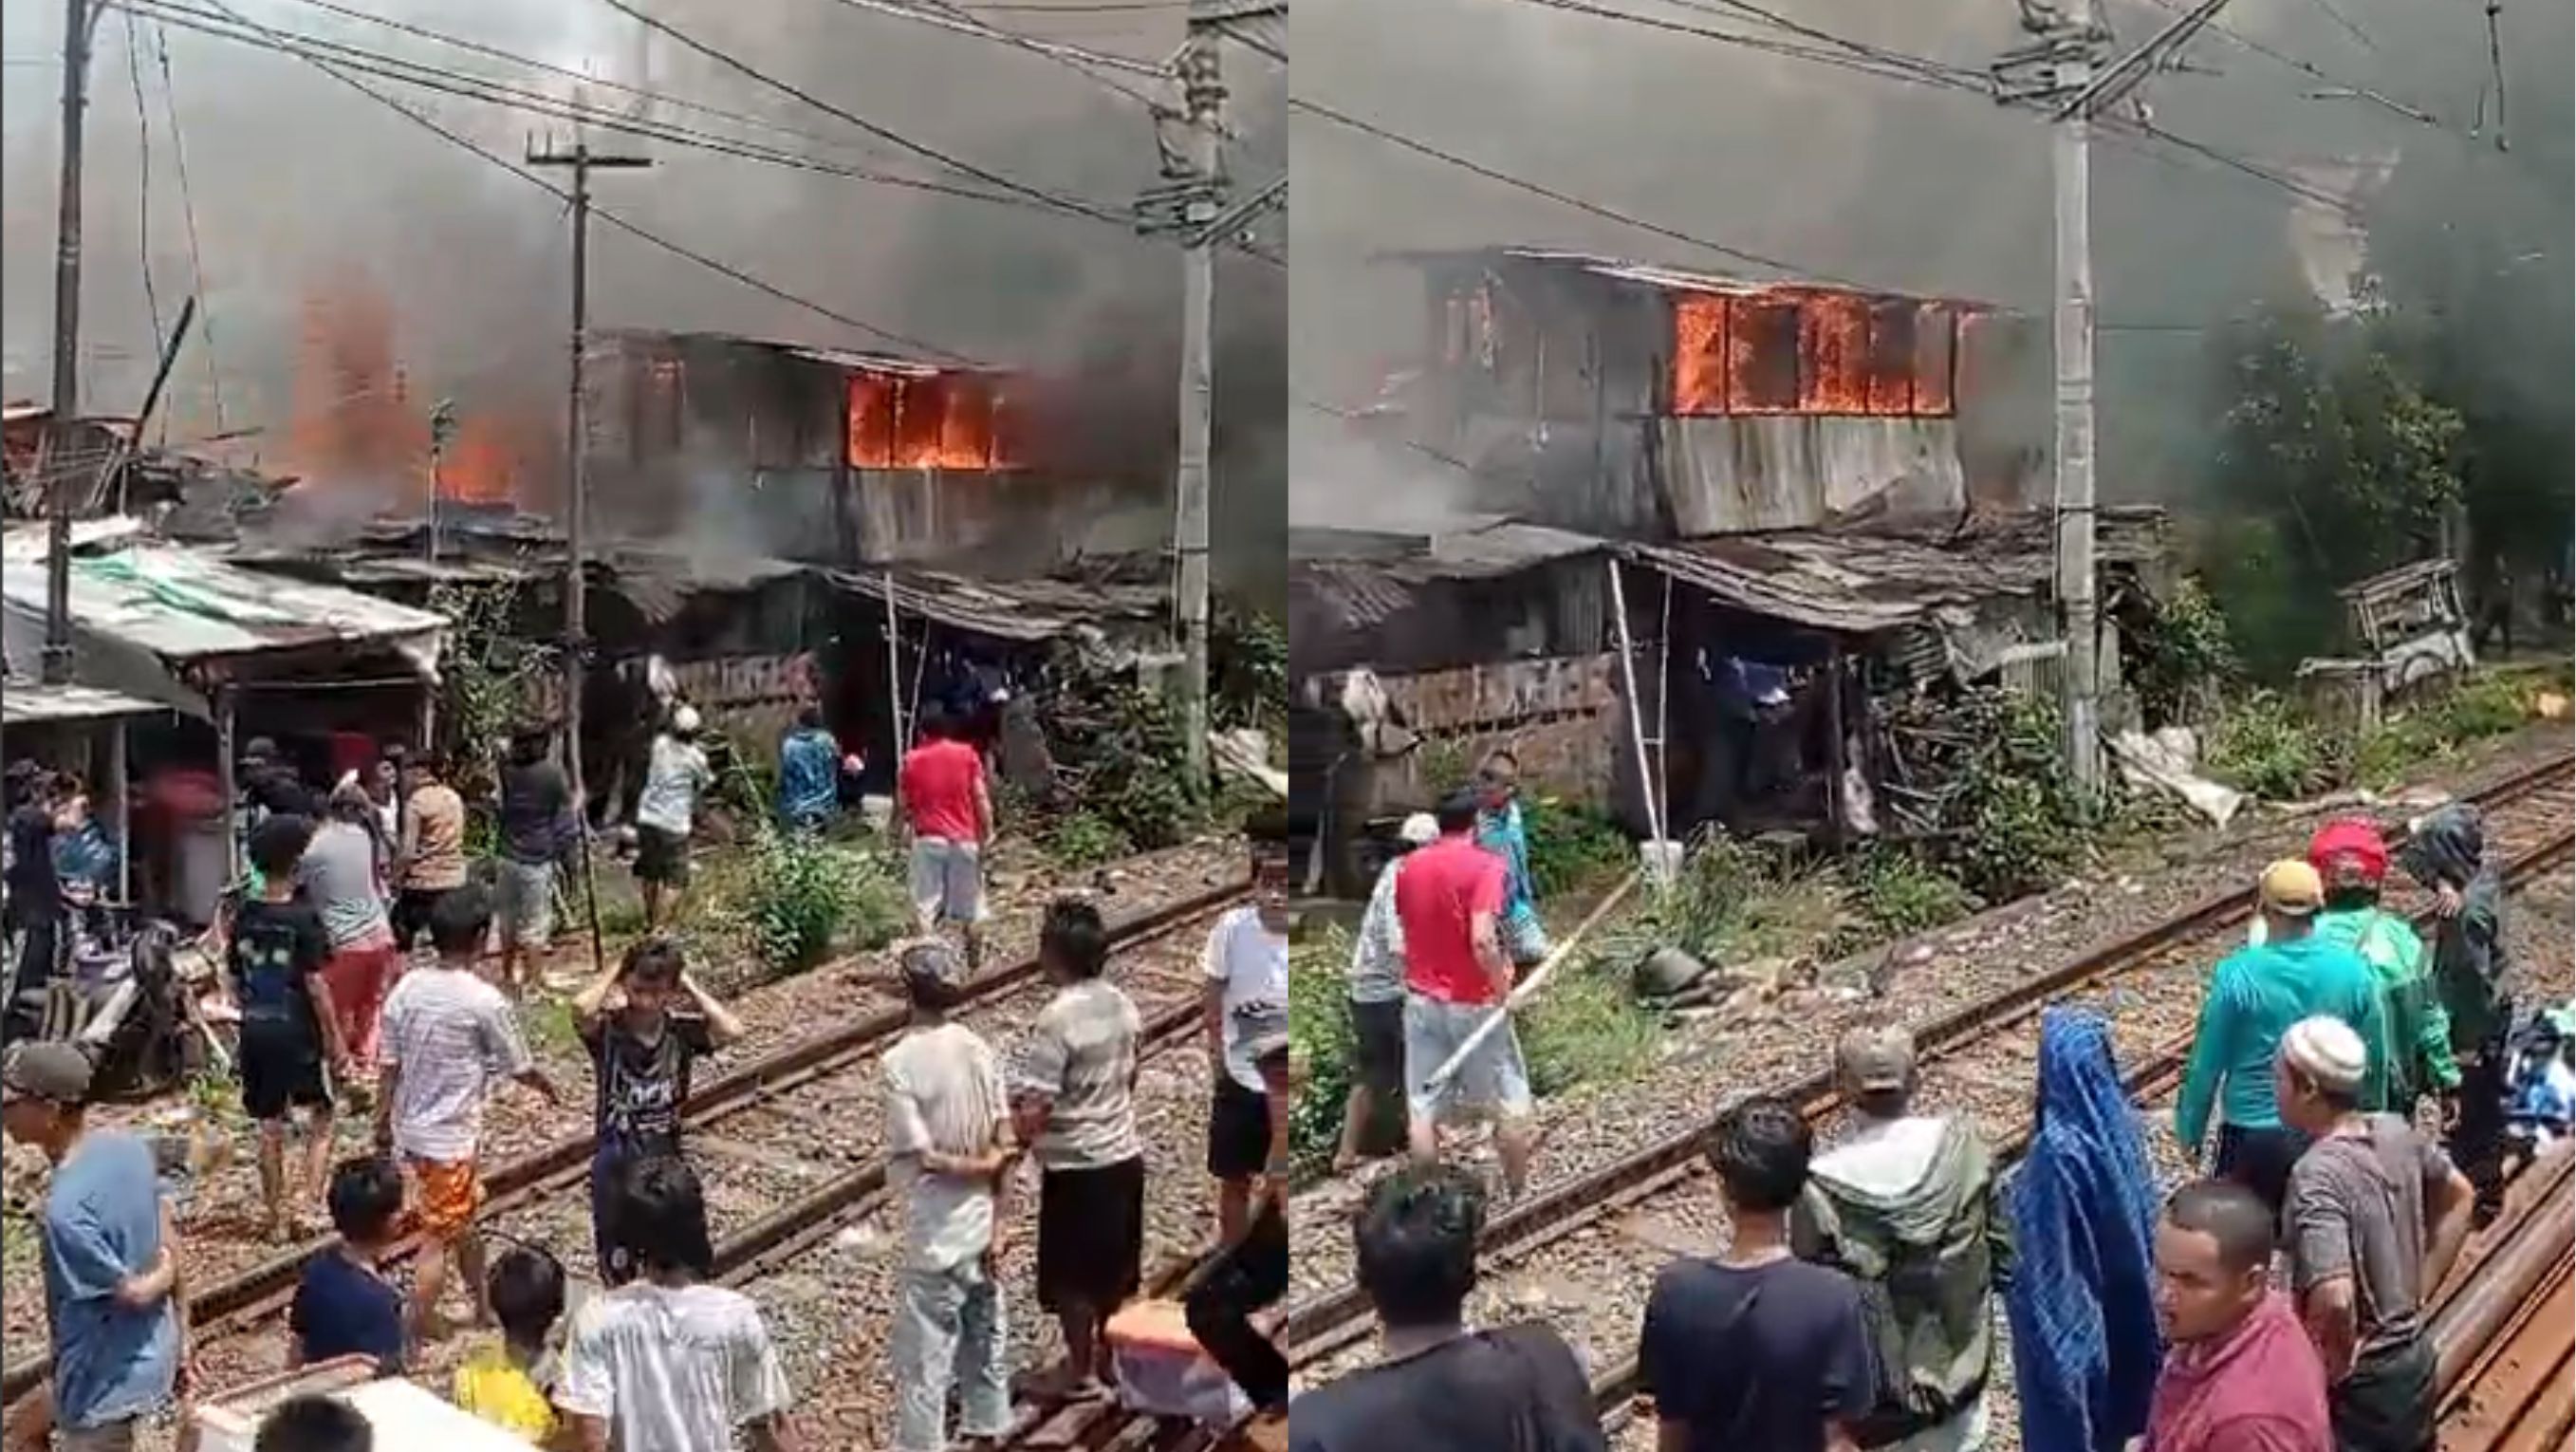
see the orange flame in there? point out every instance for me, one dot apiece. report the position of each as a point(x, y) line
point(358, 419)
point(1813, 351)
point(1833, 353)
point(943, 421)
point(1699, 355)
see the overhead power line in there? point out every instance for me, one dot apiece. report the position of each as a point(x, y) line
point(535, 103)
point(1475, 168)
point(887, 134)
point(493, 52)
point(632, 229)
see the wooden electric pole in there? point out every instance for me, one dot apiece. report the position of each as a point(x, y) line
point(53, 466)
point(576, 643)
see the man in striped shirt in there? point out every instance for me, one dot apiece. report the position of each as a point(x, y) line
point(447, 1035)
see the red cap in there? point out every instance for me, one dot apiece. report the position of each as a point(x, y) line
point(2348, 851)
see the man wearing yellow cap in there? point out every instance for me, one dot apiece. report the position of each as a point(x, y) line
point(2254, 996)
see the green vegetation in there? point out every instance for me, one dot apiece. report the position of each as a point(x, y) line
point(483, 677)
point(1585, 1027)
point(1319, 1027)
point(1084, 839)
point(807, 897)
point(549, 1026)
point(1573, 847)
point(2262, 745)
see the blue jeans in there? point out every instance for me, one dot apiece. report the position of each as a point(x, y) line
point(949, 1325)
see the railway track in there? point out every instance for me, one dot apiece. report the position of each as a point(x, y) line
point(1613, 1229)
point(530, 1183)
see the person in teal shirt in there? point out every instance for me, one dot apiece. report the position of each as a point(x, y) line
point(1501, 831)
point(2254, 997)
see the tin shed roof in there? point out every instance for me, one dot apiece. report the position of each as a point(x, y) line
point(24, 703)
point(183, 604)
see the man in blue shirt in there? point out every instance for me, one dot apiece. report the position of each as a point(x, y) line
point(809, 774)
point(111, 1258)
point(2254, 996)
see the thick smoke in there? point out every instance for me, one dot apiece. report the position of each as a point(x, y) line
point(1845, 176)
point(295, 178)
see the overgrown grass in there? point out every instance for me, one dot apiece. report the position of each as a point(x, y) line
point(2262, 745)
point(1585, 1028)
point(1572, 846)
point(1085, 839)
point(2437, 729)
point(549, 1026)
point(793, 901)
point(1319, 1024)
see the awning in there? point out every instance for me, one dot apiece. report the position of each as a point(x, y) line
point(145, 611)
point(1017, 610)
point(27, 703)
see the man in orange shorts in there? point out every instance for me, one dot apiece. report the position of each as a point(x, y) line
point(447, 1035)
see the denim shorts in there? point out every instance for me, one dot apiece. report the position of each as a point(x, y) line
point(1493, 1079)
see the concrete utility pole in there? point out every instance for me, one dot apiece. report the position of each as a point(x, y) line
point(2065, 70)
point(1203, 96)
point(2072, 166)
point(576, 646)
point(56, 470)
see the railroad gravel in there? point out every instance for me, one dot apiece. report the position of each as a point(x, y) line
point(219, 1202)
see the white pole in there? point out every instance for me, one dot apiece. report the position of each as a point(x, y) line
point(1636, 717)
point(2075, 584)
point(1528, 987)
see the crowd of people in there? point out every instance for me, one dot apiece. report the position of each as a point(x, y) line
point(2277, 1305)
point(332, 1006)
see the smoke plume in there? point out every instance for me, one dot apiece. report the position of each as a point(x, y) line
point(1841, 176)
point(303, 196)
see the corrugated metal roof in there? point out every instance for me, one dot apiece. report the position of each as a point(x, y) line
point(183, 604)
point(1859, 582)
point(1373, 587)
point(1673, 279)
point(27, 702)
point(1022, 610)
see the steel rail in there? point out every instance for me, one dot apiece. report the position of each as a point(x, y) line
point(261, 1289)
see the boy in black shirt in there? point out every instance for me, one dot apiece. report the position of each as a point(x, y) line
point(288, 1032)
point(641, 1056)
point(1756, 1348)
point(1438, 1387)
point(344, 1306)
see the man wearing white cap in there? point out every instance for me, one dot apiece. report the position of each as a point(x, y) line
point(665, 814)
point(2376, 1215)
point(1377, 999)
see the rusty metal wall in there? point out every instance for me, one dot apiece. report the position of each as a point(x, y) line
point(997, 524)
point(1732, 474)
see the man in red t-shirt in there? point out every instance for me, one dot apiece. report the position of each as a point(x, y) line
point(950, 811)
point(1449, 902)
point(2242, 1375)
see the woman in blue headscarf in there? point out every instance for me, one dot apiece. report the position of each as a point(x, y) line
point(2082, 1297)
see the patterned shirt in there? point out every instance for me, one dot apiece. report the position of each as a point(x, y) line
point(450, 1034)
point(1082, 1057)
point(1377, 952)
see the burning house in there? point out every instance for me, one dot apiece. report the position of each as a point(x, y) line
point(1758, 513)
point(1637, 401)
point(840, 458)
